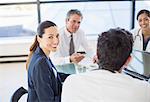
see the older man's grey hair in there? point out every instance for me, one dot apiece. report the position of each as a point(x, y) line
point(72, 12)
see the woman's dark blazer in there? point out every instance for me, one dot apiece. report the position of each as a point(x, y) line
point(43, 86)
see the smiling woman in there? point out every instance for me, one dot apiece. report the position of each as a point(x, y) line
point(44, 82)
point(142, 35)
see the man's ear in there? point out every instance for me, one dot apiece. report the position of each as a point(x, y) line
point(67, 19)
point(128, 61)
point(126, 64)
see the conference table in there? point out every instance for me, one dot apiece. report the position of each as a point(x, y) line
point(72, 68)
point(139, 67)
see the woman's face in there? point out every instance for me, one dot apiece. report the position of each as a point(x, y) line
point(50, 39)
point(144, 21)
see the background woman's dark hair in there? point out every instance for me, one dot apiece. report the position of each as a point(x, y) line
point(147, 12)
point(113, 48)
point(40, 31)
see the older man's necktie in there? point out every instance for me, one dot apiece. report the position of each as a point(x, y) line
point(71, 49)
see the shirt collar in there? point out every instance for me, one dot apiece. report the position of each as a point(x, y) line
point(68, 34)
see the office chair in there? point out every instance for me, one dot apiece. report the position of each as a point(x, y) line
point(18, 94)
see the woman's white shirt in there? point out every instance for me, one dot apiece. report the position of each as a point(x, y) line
point(138, 40)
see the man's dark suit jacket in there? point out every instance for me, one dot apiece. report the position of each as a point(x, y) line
point(43, 86)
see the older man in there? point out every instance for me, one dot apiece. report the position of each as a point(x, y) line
point(72, 38)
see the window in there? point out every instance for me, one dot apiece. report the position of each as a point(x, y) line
point(97, 16)
point(14, 1)
point(18, 20)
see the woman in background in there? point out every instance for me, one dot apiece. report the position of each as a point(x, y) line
point(44, 82)
point(141, 35)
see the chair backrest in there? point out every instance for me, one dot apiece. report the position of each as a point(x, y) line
point(18, 94)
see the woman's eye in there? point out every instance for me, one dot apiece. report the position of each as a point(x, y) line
point(57, 36)
point(50, 37)
point(146, 19)
point(140, 20)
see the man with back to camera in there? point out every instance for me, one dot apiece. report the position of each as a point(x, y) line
point(107, 83)
point(67, 51)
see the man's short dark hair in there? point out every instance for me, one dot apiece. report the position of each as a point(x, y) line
point(113, 48)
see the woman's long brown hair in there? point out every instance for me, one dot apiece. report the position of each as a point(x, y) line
point(32, 49)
